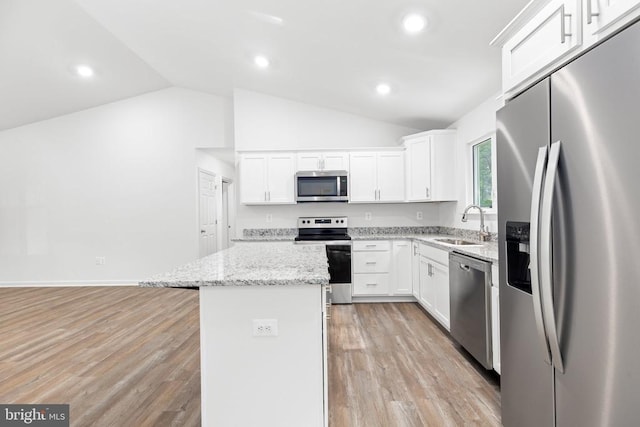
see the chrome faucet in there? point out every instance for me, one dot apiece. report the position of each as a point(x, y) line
point(483, 234)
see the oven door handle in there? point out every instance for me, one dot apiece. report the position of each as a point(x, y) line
point(336, 242)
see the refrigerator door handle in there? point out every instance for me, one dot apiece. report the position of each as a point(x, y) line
point(534, 263)
point(546, 260)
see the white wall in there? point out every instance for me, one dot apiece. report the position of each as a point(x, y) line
point(264, 122)
point(117, 181)
point(476, 124)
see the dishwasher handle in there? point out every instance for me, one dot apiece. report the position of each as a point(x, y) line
point(466, 262)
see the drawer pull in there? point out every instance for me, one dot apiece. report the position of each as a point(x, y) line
point(371, 262)
point(372, 284)
point(371, 246)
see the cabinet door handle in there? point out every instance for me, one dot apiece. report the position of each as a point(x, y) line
point(563, 26)
point(427, 191)
point(415, 249)
point(590, 12)
point(265, 196)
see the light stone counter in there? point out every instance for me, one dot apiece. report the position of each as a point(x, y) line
point(487, 251)
point(251, 264)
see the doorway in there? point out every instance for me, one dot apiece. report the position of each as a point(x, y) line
point(207, 213)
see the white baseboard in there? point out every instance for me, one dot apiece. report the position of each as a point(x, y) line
point(383, 298)
point(78, 283)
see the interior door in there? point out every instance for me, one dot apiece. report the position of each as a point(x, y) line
point(596, 234)
point(207, 212)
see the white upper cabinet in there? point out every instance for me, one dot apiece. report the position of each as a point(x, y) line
point(376, 176)
point(602, 16)
point(267, 178)
point(430, 166)
point(549, 33)
point(335, 161)
point(363, 179)
point(391, 176)
point(321, 160)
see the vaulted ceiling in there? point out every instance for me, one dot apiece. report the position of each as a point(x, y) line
point(329, 53)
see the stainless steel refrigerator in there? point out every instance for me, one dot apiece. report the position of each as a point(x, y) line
point(568, 156)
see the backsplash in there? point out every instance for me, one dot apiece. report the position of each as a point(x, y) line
point(269, 232)
point(266, 233)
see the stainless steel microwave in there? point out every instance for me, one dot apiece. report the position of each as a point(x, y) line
point(322, 186)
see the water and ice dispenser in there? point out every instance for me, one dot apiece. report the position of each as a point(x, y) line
point(517, 240)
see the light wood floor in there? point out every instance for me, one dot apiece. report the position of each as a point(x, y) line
point(124, 356)
point(120, 356)
point(390, 365)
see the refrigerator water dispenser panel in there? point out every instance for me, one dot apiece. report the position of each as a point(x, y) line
point(517, 241)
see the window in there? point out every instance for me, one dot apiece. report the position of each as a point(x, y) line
point(482, 159)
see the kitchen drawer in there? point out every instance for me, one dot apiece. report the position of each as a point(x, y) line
point(371, 284)
point(372, 245)
point(435, 254)
point(372, 262)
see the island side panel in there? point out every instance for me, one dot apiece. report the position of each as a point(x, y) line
point(265, 381)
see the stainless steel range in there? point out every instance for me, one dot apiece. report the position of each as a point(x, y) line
point(332, 231)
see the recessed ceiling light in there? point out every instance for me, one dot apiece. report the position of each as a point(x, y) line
point(261, 61)
point(383, 89)
point(84, 71)
point(414, 23)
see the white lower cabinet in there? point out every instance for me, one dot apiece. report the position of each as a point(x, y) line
point(440, 277)
point(402, 280)
point(415, 269)
point(371, 284)
point(426, 285)
point(382, 268)
point(433, 279)
point(371, 263)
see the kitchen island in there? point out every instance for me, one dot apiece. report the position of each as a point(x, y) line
point(262, 333)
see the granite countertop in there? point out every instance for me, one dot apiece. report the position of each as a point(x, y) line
point(487, 251)
point(251, 264)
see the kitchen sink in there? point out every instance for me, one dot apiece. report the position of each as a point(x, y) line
point(457, 242)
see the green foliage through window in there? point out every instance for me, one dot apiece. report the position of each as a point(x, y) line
point(482, 174)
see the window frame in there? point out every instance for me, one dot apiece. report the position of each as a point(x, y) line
point(470, 173)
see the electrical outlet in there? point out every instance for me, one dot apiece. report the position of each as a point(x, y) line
point(265, 327)
point(418, 215)
point(269, 217)
point(100, 260)
point(367, 216)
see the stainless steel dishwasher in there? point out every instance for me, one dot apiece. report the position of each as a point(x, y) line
point(470, 304)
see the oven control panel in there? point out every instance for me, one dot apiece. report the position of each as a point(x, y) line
point(323, 222)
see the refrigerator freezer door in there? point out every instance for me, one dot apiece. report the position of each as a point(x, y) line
point(523, 125)
point(596, 243)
